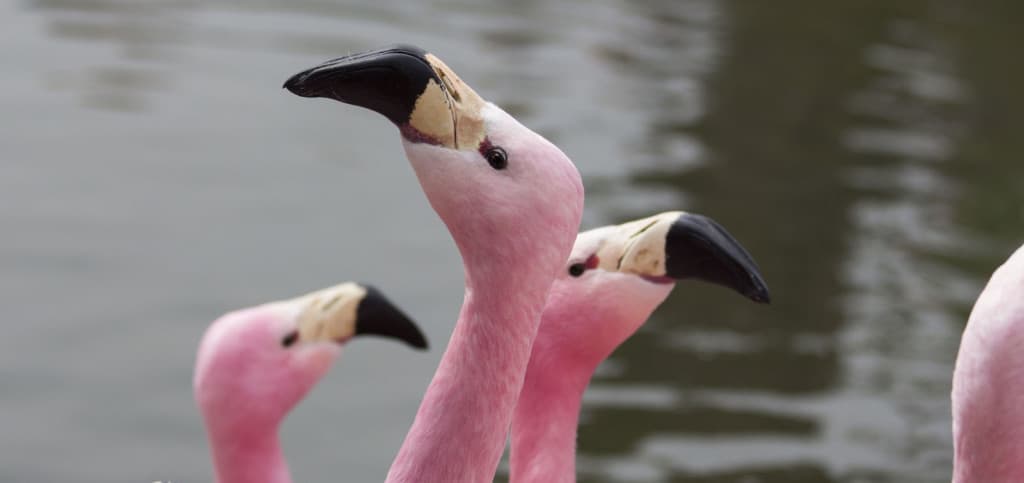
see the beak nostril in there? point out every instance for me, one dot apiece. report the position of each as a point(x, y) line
point(330, 303)
point(645, 228)
point(452, 91)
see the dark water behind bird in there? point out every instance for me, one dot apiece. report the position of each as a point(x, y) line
point(154, 175)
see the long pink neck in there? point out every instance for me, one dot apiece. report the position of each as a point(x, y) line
point(580, 328)
point(253, 456)
point(461, 426)
point(546, 417)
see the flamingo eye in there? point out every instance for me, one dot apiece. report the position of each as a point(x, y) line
point(577, 269)
point(497, 158)
point(290, 339)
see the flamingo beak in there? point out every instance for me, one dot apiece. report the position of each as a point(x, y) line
point(676, 246)
point(411, 87)
point(376, 315)
point(344, 311)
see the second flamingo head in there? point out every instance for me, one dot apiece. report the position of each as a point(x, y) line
point(618, 275)
point(255, 364)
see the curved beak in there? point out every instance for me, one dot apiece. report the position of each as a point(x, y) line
point(347, 310)
point(677, 246)
point(415, 90)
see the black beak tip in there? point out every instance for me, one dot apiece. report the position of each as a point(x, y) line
point(706, 251)
point(759, 293)
point(378, 316)
point(293, 82)
point(420, 342)
point(414, 338)
point(388, 81)
point(297, 84)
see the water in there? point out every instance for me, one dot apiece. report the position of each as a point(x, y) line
point(154, 175)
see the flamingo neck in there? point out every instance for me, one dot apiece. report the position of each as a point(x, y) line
point(546, 417)
point(582, 324)
point(461, 426)
point(247, 455)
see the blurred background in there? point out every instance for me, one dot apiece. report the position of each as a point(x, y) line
point(153, 175)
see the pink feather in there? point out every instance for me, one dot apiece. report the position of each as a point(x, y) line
point(988, 383)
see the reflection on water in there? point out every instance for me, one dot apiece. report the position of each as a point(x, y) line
point(904, 303)
point(867, 154)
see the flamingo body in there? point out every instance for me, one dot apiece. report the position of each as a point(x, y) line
point(988, 383)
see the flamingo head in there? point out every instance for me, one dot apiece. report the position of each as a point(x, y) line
point(255, 364)
point(485, 174)
point(617, 275)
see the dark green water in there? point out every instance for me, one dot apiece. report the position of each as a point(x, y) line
point(154, 175)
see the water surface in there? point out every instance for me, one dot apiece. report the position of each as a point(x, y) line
point(154, 175)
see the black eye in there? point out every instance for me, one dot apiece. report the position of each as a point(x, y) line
point(290, 339)
point(497, 158)
point(577, 269)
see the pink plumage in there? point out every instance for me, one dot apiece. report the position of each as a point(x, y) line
point(514, 229)
point(614, 279)
point(512, 202)
point(988, 383)
point(245, 385)
point(254, 365)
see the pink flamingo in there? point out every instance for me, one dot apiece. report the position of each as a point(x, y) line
point(512, 202)
point(988, 445)
point(254, 365)
point(615, 277)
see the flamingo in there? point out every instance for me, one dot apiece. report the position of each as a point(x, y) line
point(987, 382)
point(512, 202)
point(254, 365)
point(616, 276)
